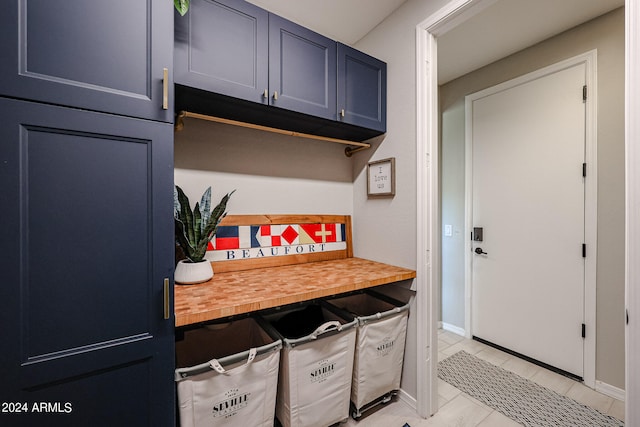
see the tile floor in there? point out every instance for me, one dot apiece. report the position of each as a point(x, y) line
point(461, 410)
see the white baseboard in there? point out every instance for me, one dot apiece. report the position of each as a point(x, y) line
point(408, 399)
point(455, 329)
point(439, 324)
point(609, 390)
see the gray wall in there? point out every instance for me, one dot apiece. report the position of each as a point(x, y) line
point(385, 229)
point(606, 34)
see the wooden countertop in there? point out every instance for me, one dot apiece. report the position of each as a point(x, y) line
point(238, 292)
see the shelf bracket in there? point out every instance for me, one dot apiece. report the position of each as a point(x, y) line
point(352, 146)
point(348, 151)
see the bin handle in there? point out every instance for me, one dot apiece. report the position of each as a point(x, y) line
point(220, 369)
point(334, 324)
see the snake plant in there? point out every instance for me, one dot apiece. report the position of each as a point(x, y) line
point(194, 229)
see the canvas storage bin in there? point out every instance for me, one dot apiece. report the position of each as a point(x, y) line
point(316, 366)
point(227, 375)
point(379, 351)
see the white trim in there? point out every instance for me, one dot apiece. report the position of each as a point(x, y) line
point(409, 400)
point(591, 218)
point(428, 191)
point(468, 213)
point(609, 390)
point(455, 329)
point(427, 244)
point(451, 15)
point(632, 221)
point(591, 195)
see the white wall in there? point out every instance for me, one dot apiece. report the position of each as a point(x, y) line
point(385, 229)
point(272, 174)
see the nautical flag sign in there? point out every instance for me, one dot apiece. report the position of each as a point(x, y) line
point(237, 242)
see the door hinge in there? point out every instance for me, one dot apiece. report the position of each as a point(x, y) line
point(584, 250)
point(584, 93)
point(584, 170)
point(584, 330)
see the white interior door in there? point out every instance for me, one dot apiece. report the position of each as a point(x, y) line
point(528, 149)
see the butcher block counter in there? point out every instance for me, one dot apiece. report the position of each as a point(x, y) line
point(238, 292)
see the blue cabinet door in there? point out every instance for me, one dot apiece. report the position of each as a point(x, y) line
point(362, 89)
point(86, 236)
point(302, 69)
point(221, 46)
point(97, 55)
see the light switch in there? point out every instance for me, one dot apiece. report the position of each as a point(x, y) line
point(448, 230)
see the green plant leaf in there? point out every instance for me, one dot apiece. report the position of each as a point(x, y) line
point(186, 216)
point(182, 6)
point(197, 225)
point(200, 251)
point(182, 238)
point(216, 216)
point(176, 203)
point(205, 207)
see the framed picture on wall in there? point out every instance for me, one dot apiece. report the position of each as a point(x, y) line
point(381, 178)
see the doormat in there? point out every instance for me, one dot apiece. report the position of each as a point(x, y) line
point(518, 398)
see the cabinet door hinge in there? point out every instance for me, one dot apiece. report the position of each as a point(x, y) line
point(584, 330)
point(584, 250)
point(584, 93)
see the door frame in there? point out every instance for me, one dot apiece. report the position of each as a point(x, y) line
point(632, 220)
point(589, 59)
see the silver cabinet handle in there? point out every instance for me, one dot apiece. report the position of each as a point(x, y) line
point(275, 95)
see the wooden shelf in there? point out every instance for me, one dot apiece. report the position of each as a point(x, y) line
point(239, 292)
point(353, 146)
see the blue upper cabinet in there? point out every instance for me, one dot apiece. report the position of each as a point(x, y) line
point(362, 89)
point(222, 46)
point(106, 56)
point(302, 69)
point(238, 61)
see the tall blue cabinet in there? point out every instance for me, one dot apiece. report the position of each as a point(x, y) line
point(86, 227)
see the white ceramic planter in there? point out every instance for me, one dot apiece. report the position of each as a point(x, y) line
point(189, 273)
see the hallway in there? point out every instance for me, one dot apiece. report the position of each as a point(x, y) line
point(461, 410)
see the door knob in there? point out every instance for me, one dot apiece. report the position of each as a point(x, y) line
point(479, 251)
